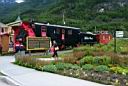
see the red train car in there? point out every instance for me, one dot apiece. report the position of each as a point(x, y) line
point(103, 38)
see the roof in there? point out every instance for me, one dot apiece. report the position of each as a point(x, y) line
point(87, 33)
point(57, 26)
point(2, 25)
point(17, 22)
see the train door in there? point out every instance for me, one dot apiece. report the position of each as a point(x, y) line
point(43, 31)
point(58, 34)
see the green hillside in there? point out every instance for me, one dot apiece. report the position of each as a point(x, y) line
point(87, 14)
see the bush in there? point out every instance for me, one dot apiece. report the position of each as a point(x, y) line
point(60, 66)
point(82, 51)
point(87, 67)
point(75, 67)
point(106, 60)
point(96, 60)
point(50, 68)
point(101, 68)
point(86, 60)
point(78, 55)
point(69, 58)
point(31, 62)
point(119, 70)
point(119, 59)
point(68, 66)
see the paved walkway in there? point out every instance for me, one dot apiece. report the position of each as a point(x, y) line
point(3, 84)
point(30, 77)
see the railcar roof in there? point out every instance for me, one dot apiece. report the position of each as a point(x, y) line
point(57, 26)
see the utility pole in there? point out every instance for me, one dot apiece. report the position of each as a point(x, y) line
point(64, 18)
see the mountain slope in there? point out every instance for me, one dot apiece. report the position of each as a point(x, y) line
point(90, 14)
point(86, 14)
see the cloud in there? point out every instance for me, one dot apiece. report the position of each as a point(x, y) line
point(19, 1)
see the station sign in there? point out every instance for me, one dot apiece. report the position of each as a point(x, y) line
point(38, 43)
point(119, 34)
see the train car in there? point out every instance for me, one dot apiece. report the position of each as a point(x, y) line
point(87, 38)
point(64, 36)
point(103, 38)
point(20, 33)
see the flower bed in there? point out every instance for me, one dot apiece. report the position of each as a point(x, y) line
point(99, 74)
point(95, 63)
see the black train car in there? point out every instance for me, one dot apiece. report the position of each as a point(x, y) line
point(63, 35)
point(87, 38)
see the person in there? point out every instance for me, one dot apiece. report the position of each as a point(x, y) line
point(54, 49)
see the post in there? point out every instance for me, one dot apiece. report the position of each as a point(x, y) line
point(115, 42)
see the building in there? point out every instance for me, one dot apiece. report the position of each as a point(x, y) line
point(4, 37)
point(11, 27)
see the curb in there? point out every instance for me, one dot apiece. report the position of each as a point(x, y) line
point(7, 79)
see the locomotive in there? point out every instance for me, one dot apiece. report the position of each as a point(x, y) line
point(64, 36)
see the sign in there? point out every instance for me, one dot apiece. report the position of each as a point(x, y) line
point(88, 38)
point(119, 34)
point(38, 43)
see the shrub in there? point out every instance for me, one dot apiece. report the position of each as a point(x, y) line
point(101, 68)
point(60, 66)
point(69, 58)
point(119, 59)
point(50, 68)
point(119, 70)
point(31, 62)
point(96, 60)
point(78, 55)
point(86, 60)
point(87, 67)
point(75, 67)
point(106, 60)
point(68, 66)
point(82, 51)
point(98, 53)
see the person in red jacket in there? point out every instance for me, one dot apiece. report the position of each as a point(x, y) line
point(54, 50)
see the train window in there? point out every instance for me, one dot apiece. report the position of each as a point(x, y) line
point(63, 31)
point(103, 37)
point(69, 32)
point(57, 31)
point(43, 31)
point(43, 28)
point(2, 30)
point(109, 38)
point(33, 25)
